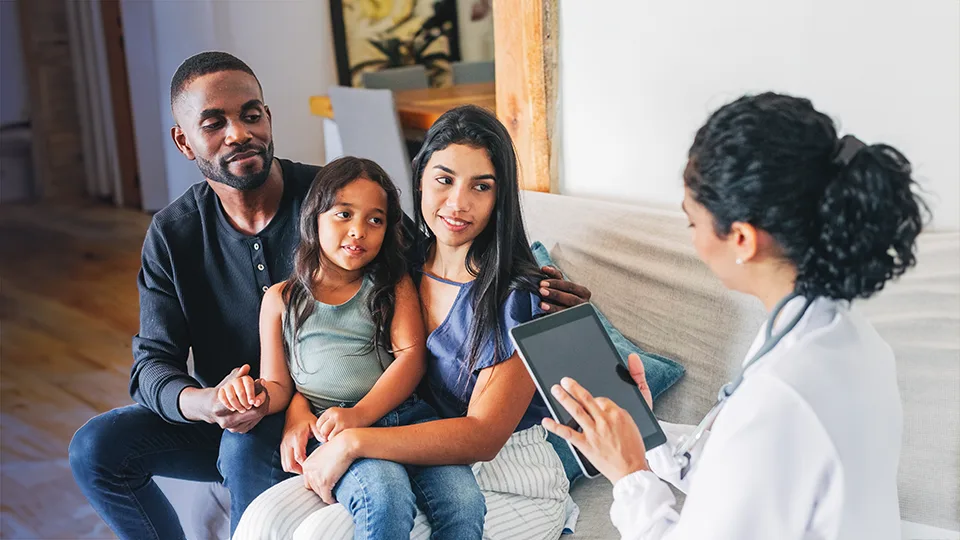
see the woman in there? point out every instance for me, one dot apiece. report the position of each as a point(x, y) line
point(477, 278)
point(807, 441)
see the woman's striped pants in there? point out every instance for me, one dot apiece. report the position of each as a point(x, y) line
point(524, 486)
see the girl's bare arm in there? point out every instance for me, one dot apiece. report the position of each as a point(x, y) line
point(409, 365)
point(274, 373)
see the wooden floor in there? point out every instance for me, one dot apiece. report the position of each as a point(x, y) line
point(68, 308)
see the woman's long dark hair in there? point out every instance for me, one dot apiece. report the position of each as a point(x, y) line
point(844, 213)
point(386, 269)
point(500, 258)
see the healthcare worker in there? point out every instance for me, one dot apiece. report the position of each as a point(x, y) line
point(805, 442)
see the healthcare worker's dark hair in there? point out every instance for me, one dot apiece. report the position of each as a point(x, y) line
point(844, 213)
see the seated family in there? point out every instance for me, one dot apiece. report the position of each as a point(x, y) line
point(350, 304)
point(347, 328)
point(363, 358)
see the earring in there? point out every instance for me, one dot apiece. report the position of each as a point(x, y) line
point(739, 260)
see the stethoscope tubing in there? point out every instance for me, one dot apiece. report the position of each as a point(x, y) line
point(681, 453)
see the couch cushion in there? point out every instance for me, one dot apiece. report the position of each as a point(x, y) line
point(918, 531)
point(203, 507)
point(919, 316)
point(594, 497)
point(661, 373)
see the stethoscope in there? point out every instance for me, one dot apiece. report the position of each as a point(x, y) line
point(681, 453)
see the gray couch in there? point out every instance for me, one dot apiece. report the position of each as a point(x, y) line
point(645, 277)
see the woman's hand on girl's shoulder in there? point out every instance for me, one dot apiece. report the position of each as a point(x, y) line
point(558, 294)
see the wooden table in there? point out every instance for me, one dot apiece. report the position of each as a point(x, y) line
point(419, 109)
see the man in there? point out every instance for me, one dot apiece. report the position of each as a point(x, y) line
point(207, 259)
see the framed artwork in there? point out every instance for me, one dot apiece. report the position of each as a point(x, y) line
point(371, 35)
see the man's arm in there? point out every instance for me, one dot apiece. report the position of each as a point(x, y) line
point(160, 349)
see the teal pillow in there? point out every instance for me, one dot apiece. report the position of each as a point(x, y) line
point(662, 373)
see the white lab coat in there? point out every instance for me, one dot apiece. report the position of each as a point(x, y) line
point(806, 448)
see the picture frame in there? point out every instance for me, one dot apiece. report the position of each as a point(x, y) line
point(371, 35)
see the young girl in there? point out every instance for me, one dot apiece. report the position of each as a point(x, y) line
point(477, 279)
point(330, 329)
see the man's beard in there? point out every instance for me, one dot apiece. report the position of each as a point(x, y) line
point(220, 172)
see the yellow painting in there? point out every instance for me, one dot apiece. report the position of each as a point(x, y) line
point(371, 35)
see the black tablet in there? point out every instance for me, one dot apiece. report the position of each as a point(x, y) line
point(573, 343)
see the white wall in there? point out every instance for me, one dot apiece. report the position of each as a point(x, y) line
point(287, 43)
point(150, 123)
point(293, 59)
point(639, 77)
point(14, 106)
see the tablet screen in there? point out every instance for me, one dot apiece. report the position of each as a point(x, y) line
point(575, 345)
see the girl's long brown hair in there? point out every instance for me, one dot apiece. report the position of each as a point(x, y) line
point(386, 269)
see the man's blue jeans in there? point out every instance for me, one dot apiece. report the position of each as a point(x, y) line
point(383, 496)
point(115, 456)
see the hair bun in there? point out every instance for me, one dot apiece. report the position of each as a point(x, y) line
point(869, 219)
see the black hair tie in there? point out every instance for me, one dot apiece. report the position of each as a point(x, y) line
point(847, 147)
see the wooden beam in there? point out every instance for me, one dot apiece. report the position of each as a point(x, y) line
point(55, 125)
point(129, 193)
point(526, 60)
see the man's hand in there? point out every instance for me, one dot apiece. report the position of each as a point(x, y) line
point(241, 421)
point(202, 404)
point(558, 294)
point(239, 394)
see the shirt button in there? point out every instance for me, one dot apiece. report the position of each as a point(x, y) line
point(265, 288)
point(256, 245)
point(260, 267)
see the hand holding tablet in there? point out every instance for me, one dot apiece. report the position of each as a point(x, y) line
point(614, 430)
point(608, 437)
